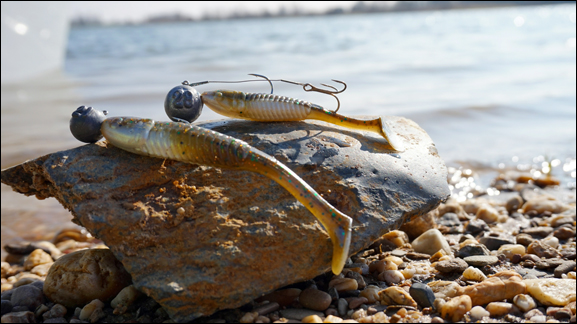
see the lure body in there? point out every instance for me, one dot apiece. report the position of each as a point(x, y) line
point(193, 144)
point(269, 107)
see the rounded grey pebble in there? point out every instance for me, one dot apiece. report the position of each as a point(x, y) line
point(481, 260)
point(6, 307)
point(454, 265)
point(28, 296)
point(494, 243)
point(342, 307)
point(422, 294)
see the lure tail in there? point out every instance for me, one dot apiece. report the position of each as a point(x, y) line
point(377, 125)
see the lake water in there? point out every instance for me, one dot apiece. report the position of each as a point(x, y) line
point(494, 88)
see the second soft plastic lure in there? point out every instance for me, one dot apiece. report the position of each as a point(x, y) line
point(270, 107)
point(188, 143)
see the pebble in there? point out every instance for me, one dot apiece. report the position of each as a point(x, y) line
point(299, 313)
point(126, 297)
point(267, 308)
point(564, 233)
point(391, 276)
point(524, 302)
point(28, 296)
point(478, 312)
point(524, 239)
point(417, 256)
point(563, 268)
point(37, 257)
point(315, 299)
point(538, 232)
point(355, 302)
point(444, 289)
point(473, 274)
point(342, 306)
point(19, 317)
point(371, 293)
point(488, 214)
point(41, 269)
point(284, 297)
point(92, 311)
point(542, 204)
point(399, 238)
point(511, 249)
point(494, 243)
point(422, 294)
point(513, 204)
point(542, 250)
point(430, 242)
point(498, 309)
point(343, 284)
point(473, 249)
point(312, 319)
point(502, 285)
point(552, 241)
point(249, 317)
point(481, 260)
point(449, 220)
point(551, 291)
point(6, 306)
point(57, 311)
point(77, 278)
point(396, 296)
point(454, 265)
point(454, 309)
point(476, 226)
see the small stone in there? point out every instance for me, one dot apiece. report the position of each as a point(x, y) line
point(478, 312)
point(444, 289)
point(56, 311)
point(511, 249)
point(77, 278)
point(342, 307)
point(399, 238)
point(299, 313)
point(542, 250)
point(417, 256)
point(454, 309)
point(315, 299)
point(473, 274)
point(552, 292)
point(564, 233)
point(488, 214)
point(524, 239)
point(481, 260)
point(498, 309)
point(6, 306)
point(564, 267)
point(361, 284)
point(430, 242)
point(538, 232)
point(284, 297)
point(391, 276)
point(37, 257)
point(343, 284)
point(563, 314)
point(249, 317)
point(19, 317)
point(42, 269)
point(524, 302)
point(437, 319)
point(542, 204)
point(332, 311)
point(333, 319)
point(454, 265)
point(473, 249)
point(502, 285)
point(494, 243)
point(476, 226)
point(28, 296)
point(126, 297)
point(422, 294)
point(513, 204)
point(90, 310)
point(312, 319)
point(371, 293)
point(419, 225)
point(355, 302)
point(396, 296)
point(449, 220)
point(40, 310)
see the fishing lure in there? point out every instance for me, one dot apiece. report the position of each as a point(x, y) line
point(271, 108)
point(193, 144)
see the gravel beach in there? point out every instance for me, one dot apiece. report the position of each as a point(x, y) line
point(502, 254)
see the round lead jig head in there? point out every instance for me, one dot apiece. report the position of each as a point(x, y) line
point(85, 124)
point(183, 102)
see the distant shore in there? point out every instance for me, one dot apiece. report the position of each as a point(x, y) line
point(360, 7)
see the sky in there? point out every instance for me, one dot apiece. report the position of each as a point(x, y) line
point(138, 10)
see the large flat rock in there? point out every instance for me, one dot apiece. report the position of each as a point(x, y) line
point(199, 239)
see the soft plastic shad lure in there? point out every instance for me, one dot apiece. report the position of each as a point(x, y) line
point(188, 143)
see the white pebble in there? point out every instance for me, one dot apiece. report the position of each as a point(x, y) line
point(538, 319)
point(551, 241)
point(474, 274)
point(571, 275)
point(524, 302)
point(478, 312)
point(392, 276)
point(90, 308)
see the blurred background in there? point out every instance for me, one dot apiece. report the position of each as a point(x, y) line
point(493, 83)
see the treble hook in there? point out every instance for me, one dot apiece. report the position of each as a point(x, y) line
point(309, 87)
